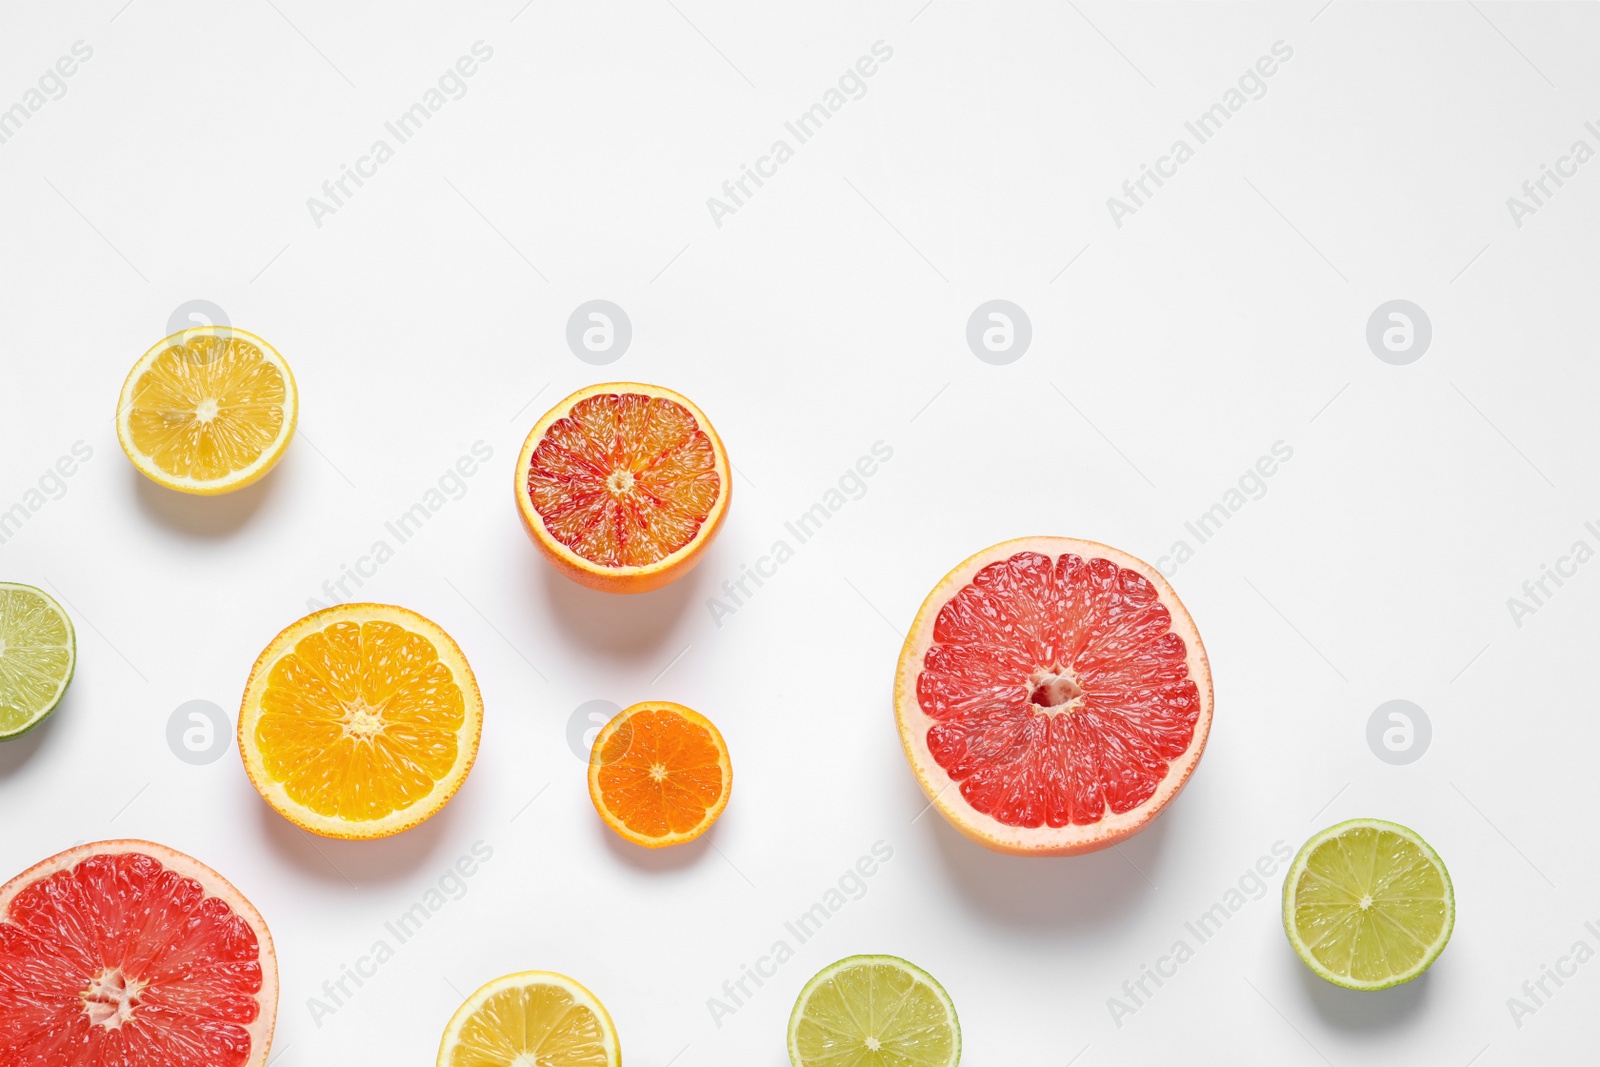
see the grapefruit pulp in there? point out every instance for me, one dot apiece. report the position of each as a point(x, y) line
point(128, 954)
point(1052, 696)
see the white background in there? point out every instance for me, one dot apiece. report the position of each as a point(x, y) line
point(828, 313)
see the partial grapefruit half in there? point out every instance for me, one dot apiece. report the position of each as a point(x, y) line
point(623, 485)
point(129, 954)
point(1053, 696)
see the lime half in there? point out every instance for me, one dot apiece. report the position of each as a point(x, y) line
point(1368, 905)
point(874, 1011)
point(37, 654)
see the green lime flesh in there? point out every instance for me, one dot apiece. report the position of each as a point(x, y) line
point(1367, 904)
point(874, 1011)
point(37, 654)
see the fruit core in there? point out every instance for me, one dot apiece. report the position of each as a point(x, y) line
point(1055, 689)
point(110, 998)
point(206, 410)
point(620, 483)
point(363, 721)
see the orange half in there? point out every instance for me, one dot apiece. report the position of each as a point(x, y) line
point(622, 486)
point(659, 774)
point(360, 721)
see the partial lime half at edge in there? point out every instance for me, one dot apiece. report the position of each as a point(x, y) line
point(1367, 904)
point(37, 654)
point(874, 1011)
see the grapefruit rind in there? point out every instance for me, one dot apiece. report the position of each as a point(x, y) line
point(828, 973)
point(215, 885)
point(943, 791)
point(623, 579)
point(400, 820)
point(523, 979)
point(235, 480)
point(44, 711)
point(1291, 884)
point(597, 795)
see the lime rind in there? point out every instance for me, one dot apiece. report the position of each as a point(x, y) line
point(32, 623)
point(1291, 886)
point(950, 1023)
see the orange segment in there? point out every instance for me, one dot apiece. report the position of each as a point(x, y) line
point(622, 485)
point(207, 411)
point(659, 774)
point(360, 721)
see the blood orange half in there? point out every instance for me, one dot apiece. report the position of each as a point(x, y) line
point(623, 485)
point(1061, 688)
point(128, 954)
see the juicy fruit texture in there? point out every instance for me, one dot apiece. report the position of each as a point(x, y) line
point(622, 485)
point(874, 1011)
point(208, 410)
point(1060, 690)
point(1062, 686)
point(127, 954)
point(37, 654)
point(360, 720)
point(531, 1019)
point(659, 774)
point(624, 480)
point(1368, 904)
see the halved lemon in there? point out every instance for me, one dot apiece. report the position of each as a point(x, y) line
point(659, 773)
point(531, 1019)
point(360, 721)
point(207, 410)
point(623, 485)
point(1367, 904)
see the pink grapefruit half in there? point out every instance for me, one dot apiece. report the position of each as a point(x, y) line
point(1053, 696)
point(128, 954)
